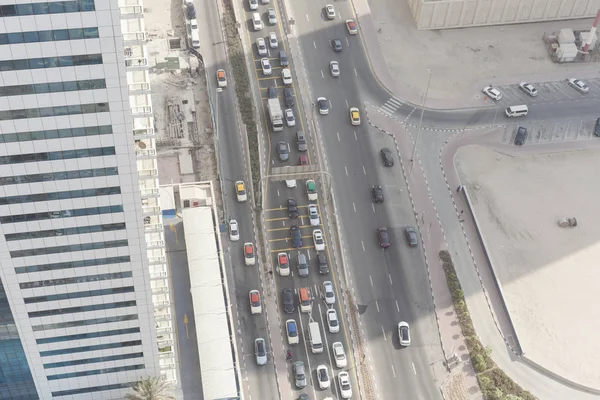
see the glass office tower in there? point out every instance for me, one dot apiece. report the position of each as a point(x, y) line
point(84, 290)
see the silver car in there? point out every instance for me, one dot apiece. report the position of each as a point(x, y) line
point(299, 374)
point(334, 68)
point(260, 350)
point(302, 265)
point(272, 16)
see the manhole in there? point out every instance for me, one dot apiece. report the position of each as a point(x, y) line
point(175, 43)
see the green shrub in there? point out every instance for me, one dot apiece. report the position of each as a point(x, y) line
point(479, 363)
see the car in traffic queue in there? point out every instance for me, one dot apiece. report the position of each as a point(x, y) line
point(271, 16)
point(323, 377)
point(261, 47)
point(249, 256)
point(344, 383)
point(255, 302)
point(411, 236)
point(351, 26)
point(260, 351)
point(318, 240)
point(313, 215)
point(221, 78)
point(311, 190)
point(283, 264)
point(328, 293)
point(240, 191)
point(296, 236)
point(287, 295)
point(302, 265)
point(332, 321)
point(292, 209)
point(339, 355)
point(291, 329)
point(266, 66)
point(234, 232)
point(377, 194)
point(302, 159)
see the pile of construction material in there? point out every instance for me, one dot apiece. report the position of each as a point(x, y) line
point(569, 44)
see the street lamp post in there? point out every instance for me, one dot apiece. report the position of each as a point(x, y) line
point(412, 157)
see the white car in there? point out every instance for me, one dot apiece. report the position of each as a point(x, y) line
point(344, 382)
point(330, 11)
point(240, 191)
point(273, 42)
point(283, 264)
point(528, 88)
point(333, 323)
point(323, 377)
point(266, 66)
point(261, 46)
point(291, 329)
point(334, 68)
point(323, 105)
point(255, 303)
point(286, 75)
point(234, 232)
point(492, 93)
point(404, 333)
point(339, 354)
point(578, 85)
point(260, 351)
point(313, 215)
point(253, 4)
point(290, 120)
point(318, 239)
point(328, 293)
point(272, 16)
point(290, 183)
point(249, 255)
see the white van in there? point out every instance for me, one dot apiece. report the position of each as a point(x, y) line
point(516, 111)
point(314, 337)
point(256, 21)
point(195, 38)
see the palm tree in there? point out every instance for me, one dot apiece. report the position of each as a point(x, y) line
point(151, 388)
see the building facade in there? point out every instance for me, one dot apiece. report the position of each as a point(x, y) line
point(84, 294)
point(444, 14)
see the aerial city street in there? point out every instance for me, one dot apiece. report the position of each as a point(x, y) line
point(368, 167)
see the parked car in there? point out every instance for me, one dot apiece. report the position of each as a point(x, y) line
point(528, 88)
point(313, 215)
point(521, 136)
point(318, 240)
point(288, 97)
point(271, 16)
point(296, 236)
point(266, 66)
point(292, 208)
point(492, 93)
point(273, 42)
point(261, 46)
point(578, 85)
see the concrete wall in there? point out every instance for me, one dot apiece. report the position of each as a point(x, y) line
point(446, 14)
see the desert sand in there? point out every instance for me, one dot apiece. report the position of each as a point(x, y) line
point(550, 275)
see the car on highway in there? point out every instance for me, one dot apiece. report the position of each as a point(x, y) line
point(290, 183)
point(301, 141)
point(303, 270)
point(318, 240)
point(323, 105)
point(264, 2)
point(387, 157)
point(344, 383)
point(273, 42)
point(323, 264)
point(288, 97)
point(404, 333)
point(330, 11)
point(249, 256)
point(411, 236)
point(334, 68)
point(286, 75)
point(272, 17)
point(290, 119)
point(221, 78)
point(333, 324)
point(272, 92)
point(339, 355)
point(255, 303)
point(597, 128)
point(383, 237)
point(311, 189)
point(313, 215)
point(323, 376)
point(234, 232)
point(260, 351)
point(265, 64)
point(296, 236)
point(283, 151)
point(492, 93)
point(302, 159)
point(521, 136)
point(190, 11)
point(377, 194)
point(240, 191)
point(351, 26)
point(283, 264)
point(283, 60)
point(336, 44)
point(299, 374)
point(354, 116)
point(257, 24)
point(528, 88)
point(292, 207)
point(253, 4)
point(291, 329)
point(261, 47)
point(328, 292)
point(287, 296)
point(578, 85)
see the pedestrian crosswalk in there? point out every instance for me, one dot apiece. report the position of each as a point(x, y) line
point(390, 106)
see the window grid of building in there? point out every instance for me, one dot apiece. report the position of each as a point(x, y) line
point(68, 248)
point(89, 335)
point(93, 389)
point(95, 372)
point(71, 363)
point(55, 133)
point(57, 155)
point(95, 347)
point(50, 62)
point(76, 279)
point(58, 176)
point(47, 7)
point(88, 322)
point(76, 230)
point(73, 264)
point(78, 295)
point(52, 87)
point(55, 111)
point(48, 36)
point(71, 194)
point(74, 310)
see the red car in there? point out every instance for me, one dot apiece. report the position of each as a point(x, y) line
point(303, 159)
point(383, 237)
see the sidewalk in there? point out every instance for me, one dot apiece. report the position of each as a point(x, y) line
point(433, 240)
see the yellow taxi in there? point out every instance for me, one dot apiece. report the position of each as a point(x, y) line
point(240, 191)
point(354, 116)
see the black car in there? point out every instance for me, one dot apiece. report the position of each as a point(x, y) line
point(283, 60)
point(383, 237)
point(386, 156)
point(292, 208)
point(336, 44)
point(190, 11)
point(597, 128)
point(296, 236)
point(288, 97)
point(272, 92)
point(323, 265)
point(411, 236)
point(282, 151)
point(521, 136)
point(287, 296)
point(377, 194)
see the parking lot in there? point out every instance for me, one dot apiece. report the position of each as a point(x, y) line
point(548, 92)
point(551, 131)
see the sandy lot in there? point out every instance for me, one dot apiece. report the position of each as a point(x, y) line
point(549, 274)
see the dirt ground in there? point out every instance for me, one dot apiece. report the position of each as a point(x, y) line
point(548, 273)
point(463, 61)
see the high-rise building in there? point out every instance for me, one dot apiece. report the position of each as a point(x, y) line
point(84, 294)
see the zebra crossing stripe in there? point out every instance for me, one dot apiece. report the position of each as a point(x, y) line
point(395, 101)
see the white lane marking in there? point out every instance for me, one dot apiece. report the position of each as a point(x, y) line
point(364, 170)
point(355, 137)
point(397, 306)
point(363, 245)
point(307, 19)
point(346, 169)
point(347, 42)
point(355, 72)
point(314, 44)
point(273, 162)
point(414, 369)
point(278, 193)
point(390, 275)
point(393, 371)
point(322, 74)
point(308, 252)
point(338, 136)
point(377, 305)
point(371, 279)
point(347, 104)
point(384, 336)
point(373, 207)
point(339, 16)
point(330, 106)
point(354, 206)
point(283, 223)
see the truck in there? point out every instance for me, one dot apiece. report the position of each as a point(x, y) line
point(275, 114)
